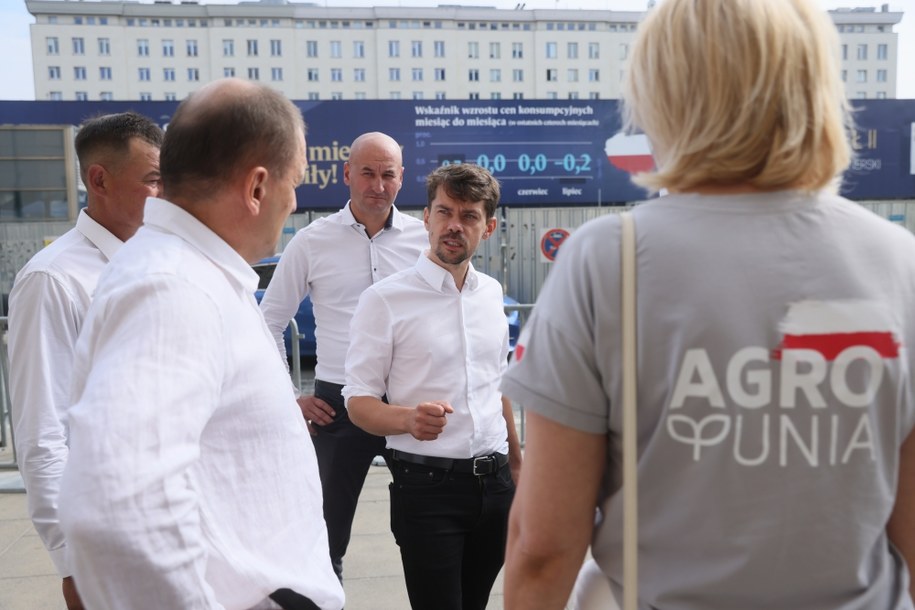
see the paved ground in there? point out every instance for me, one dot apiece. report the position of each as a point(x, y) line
point(373, 575)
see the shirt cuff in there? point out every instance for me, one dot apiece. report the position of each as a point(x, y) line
point(61, 560)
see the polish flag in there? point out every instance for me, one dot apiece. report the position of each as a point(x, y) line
point(630, 153)
point(831, 327)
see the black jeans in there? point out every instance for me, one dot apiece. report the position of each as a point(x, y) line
point(344, 453)
point(451, 529)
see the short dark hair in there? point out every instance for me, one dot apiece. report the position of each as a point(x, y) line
point(465, 182)
point(207, 143)
point(113, 133)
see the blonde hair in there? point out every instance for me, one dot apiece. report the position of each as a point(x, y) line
point(738, 92)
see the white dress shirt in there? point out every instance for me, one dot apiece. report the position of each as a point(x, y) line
point(191, 481)
point(416, 338)
point(48, 303)
point(333, 260)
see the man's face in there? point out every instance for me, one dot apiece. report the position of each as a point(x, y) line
point(374, 176)
point(455, 228)
point(132, 180)
point(280, 200)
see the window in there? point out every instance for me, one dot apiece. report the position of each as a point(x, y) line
point(276, 48)
point(473, 50)
point(593, 75)
point(593, 50)
point(517, 50)
point(573, 75)
point(881, 76)
point(106, 96)
point(254, 74)
point(168, 74)
point(82, 96)
point(551, 50)
point(79, 73)
point(572, 50)
point(311, 48)
point(594, 95)
point(336, 75)
point(551, 95)
point(170, 97)
point(276, 74)
point(393, 48)
point(168, 48)
point(861, 76)
point(144, 74)
point(439, 48)
point(336, 49)
point(312, 75)
point(495, 50)
point(336, 95)
point(104, 73)
point(551, 76)
point(518, 76)
point(142, 47)
point(861, 95)
point(624, 51)
point(192, 48)
point(844, 76)
point(252, 48)
point(55, 96)
point(104, 46)
point(228, 48)
point(517, 96)
point(358, 49)
point(439, 74)
point(228, 72)
point(473, 75)
point(416, 48)
point(881, 95)
point(53, 45)
point(79, 47)
point(882, 51)
point(473, 96)
point(145, 96)
point(495, 95)
point(395, 95)
point(844, 52)
point(394, 74)
point(417, 74)
point(495, 75)
point(359, 75)
point(417, 95)
point(440, 95)
point(862, 51)
point(193, 74)
point(360, 95)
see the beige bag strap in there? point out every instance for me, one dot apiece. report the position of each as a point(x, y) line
point(630, 441)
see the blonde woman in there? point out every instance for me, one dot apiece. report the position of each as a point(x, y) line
point(775, 401)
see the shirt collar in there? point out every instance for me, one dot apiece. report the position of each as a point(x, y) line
point(101, 238)
point(438, 277)
point(173, 219)
point(394, 220)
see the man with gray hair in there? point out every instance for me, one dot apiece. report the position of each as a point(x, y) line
point(192, 482)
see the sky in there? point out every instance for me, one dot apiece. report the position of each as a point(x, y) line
point(16, 70)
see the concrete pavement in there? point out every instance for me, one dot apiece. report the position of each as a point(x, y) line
point(373, 577)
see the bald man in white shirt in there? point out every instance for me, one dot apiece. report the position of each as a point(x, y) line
point(434, 339)
point(191, 481)
point(119, 165)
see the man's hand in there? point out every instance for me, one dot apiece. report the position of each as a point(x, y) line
point(71, 597)
point(315, 411)
point(428, 419)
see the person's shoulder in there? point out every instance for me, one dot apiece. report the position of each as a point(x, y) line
point(60, 256)
point(395, 281)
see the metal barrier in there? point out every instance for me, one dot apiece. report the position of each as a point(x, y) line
point(523, 310)
point(6, 424)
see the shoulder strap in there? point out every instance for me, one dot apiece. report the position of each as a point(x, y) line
point(630, 441)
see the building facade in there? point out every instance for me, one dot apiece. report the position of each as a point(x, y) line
point(113, 50)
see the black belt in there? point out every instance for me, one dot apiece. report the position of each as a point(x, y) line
point(479, 466)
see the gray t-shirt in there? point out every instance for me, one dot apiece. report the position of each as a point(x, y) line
point(774, 395)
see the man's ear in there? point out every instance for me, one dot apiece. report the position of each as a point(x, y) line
point(490, 227)
point(97, 179)
point(256, 188)
point(426, 217)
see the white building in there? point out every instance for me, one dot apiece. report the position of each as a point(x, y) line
point(166, 49)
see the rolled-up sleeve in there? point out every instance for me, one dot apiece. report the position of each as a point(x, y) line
point(368, 359)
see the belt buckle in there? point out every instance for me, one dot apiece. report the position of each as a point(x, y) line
point(485, 459)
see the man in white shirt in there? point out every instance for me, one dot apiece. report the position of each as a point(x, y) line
point(333, 260)
point(434, 339)
point(191, 482)
point(119, 164)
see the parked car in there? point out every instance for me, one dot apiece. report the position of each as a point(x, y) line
point(305, 317)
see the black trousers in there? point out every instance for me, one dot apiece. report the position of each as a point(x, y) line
point(344, 453)
point(451, 529)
